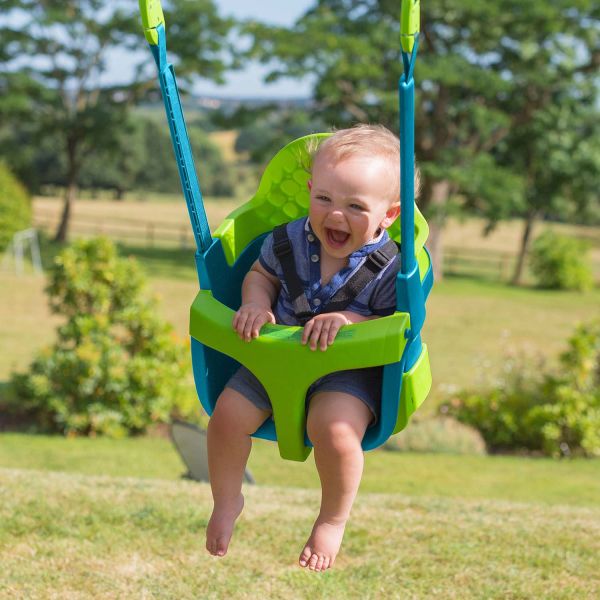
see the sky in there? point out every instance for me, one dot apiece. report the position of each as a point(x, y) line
point(249, 82)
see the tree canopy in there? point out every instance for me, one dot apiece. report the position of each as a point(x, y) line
point(54, 85)
point(487, 74)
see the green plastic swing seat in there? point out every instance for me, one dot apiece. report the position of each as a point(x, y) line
point(284, 366)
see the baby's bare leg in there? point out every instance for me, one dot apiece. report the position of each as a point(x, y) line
point(336, 425)
point(233, 421)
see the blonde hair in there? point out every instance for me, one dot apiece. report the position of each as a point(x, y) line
point(364, 140)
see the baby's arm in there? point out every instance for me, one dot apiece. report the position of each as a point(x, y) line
point(322, 329)
point(259, 291)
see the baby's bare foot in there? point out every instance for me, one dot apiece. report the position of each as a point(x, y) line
point(220, 526)
point(322, 545)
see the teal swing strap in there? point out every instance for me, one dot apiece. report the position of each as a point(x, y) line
point(406, 88)
point(181, 143)
point(409, 288)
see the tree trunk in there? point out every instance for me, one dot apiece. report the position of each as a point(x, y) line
point(71, 192)
point(435, 196)
point(524, 249)
point(62, 231)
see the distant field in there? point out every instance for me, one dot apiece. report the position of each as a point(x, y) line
point(226, 142)
point(472, 325)
point(148, 221)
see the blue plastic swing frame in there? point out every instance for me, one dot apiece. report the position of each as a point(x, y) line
point(411, 291)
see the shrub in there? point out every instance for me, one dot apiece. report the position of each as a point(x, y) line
point(15, 207)
point(538, 410)
point(115, 368)
point(560, 262)
point(444, 435)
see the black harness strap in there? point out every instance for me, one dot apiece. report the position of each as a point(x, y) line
point(282, 248)
point(373, 265)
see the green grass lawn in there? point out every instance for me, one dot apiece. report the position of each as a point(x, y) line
point(543, 481)
point(65, 535)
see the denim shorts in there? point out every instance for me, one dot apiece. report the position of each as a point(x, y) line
point(364, 384)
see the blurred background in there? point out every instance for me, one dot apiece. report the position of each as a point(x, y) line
point(96, 251)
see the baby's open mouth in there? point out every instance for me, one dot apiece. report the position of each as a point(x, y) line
point(336, 238)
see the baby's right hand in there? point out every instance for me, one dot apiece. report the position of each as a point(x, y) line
point(250, 318)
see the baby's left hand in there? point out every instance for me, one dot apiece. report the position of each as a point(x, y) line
point(322, 329)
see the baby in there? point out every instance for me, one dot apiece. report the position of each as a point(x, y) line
point(354, 198)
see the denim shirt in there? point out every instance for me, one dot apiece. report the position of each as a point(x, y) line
point(377, 298)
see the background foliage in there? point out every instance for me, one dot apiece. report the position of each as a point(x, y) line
point(116, 367)
point(536, 408)
point(15, 207)
point(52, 87)
point(562, 263)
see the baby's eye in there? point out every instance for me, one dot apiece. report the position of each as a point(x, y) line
point(323, 198)
point(357, 207)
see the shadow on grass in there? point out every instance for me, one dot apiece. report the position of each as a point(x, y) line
point(476, 278)
point(11, 420)
point(176, 263)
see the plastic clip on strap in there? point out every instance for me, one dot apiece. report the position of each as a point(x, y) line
point(375, 263)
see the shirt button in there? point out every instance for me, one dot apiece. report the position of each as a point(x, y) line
point(317, 302)
point(315, 258)
point(311, 237)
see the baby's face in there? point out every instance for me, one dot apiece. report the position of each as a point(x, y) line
point(350, 201)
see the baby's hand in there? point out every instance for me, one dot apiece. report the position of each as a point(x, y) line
point(322, 329)
point(250, 318)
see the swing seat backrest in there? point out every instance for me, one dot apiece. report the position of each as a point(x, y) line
point(276, 357)
point(283, 196)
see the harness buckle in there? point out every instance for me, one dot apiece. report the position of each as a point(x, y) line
point(282, 247)
point(379, 259)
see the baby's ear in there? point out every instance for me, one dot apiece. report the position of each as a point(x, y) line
point(309, 184)
point(393, 212)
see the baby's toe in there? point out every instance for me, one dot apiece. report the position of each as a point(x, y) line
point(312, 563)
point(305, 556)
point(320, 564)
point(210, 546)
point(221, 547)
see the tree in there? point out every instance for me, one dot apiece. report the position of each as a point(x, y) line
point(144, 160)
point(558, 150)
point(264, 137)
point(475, 85)
point(54, 57)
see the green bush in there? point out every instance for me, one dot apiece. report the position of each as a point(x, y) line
point(15, 207)
point(115, 368)
point(537, 410)
point(443, 435)
point(560, 262)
